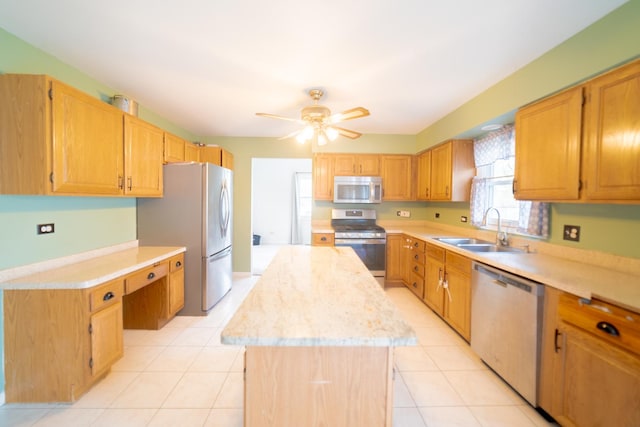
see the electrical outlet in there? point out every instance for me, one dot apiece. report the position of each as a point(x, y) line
point(463, 218)
point(572, 233)
point(45, 228)
point(403, 214)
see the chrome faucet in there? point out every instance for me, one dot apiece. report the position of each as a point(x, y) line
point(501, 236)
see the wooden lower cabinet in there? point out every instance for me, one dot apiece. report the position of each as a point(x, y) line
point(58, 356)
point(322, 239)
point(597, 383)
point(434, 293)
point(588, 377)
point(59, 342)
point(448, 288)
point(395, 251)
point(457, 302)
point(318, 386)
point(176, 286)
point(106, 338)
point(155, 296)
point(412, 264)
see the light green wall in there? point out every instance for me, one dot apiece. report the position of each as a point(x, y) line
point(81, 223)
point(609, 42)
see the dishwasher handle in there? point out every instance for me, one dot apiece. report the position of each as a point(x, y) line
point(507, 279)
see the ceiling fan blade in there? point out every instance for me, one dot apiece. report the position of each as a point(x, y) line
point(274, 116)
point(348, 133)
point(354, 113)
point(292, 134)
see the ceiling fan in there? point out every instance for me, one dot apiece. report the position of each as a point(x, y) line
point(319, 122)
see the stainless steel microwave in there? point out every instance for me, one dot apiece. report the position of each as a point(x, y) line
point(357, 189)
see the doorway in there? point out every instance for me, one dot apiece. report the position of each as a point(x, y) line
point(281, 202)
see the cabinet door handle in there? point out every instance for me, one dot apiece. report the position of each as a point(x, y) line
point(151, 275)
point(178, 264)
point(109, 295)
point(555, 341)
point(608, 328)
point(121, 182)
point(323, 238)
point(130, 183)
point(513, 187)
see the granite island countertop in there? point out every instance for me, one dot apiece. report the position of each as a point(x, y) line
point(92, 271)
point(317, 296)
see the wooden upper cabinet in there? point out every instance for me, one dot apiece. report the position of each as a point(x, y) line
point(397, 178)
point(174, 148)
point(551, 137)
point(210, 154)
point(143, 144)
point(226, 159)
point(191, 152)
point(423, 180)
point(216, 155)
point(548, 148)
point(612, 136)
point(356, 164)
point(55, 139)
point(452, 168)
point(323, 176)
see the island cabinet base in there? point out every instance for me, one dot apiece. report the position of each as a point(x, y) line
point(318, 386)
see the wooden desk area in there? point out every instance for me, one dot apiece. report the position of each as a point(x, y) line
point(63, 327)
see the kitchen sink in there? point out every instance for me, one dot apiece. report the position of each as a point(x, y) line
point(488, 247)
point(463, 241)
point(477, 245)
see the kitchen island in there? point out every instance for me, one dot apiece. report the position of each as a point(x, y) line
point(319, 333)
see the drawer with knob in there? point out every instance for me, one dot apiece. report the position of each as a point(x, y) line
point(145, 276)
point(177, 263)
point(606, 321)
point(323, 239)
point(105, 294)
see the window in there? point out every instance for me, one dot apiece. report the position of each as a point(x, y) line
point(492, 187)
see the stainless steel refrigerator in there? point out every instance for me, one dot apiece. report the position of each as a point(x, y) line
point(195, 212)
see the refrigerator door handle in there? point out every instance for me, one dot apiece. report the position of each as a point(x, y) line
point(223, 253)
point(224, 209)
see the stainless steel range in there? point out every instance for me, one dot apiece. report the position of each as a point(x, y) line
point(357, 228)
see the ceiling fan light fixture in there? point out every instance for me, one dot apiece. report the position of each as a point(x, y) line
point(322, 138)
point(332, 133)
point(319, 123)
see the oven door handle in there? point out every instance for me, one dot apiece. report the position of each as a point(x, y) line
point(360, 242)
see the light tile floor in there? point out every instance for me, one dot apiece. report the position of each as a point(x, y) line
point(183, 376)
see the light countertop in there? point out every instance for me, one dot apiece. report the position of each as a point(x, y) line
point(94, 271)
point(317, 296)
point(582, 278)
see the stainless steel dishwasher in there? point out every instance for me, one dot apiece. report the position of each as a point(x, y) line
point(506, 323)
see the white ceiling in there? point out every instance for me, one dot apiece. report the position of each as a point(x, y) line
point(210, 65)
